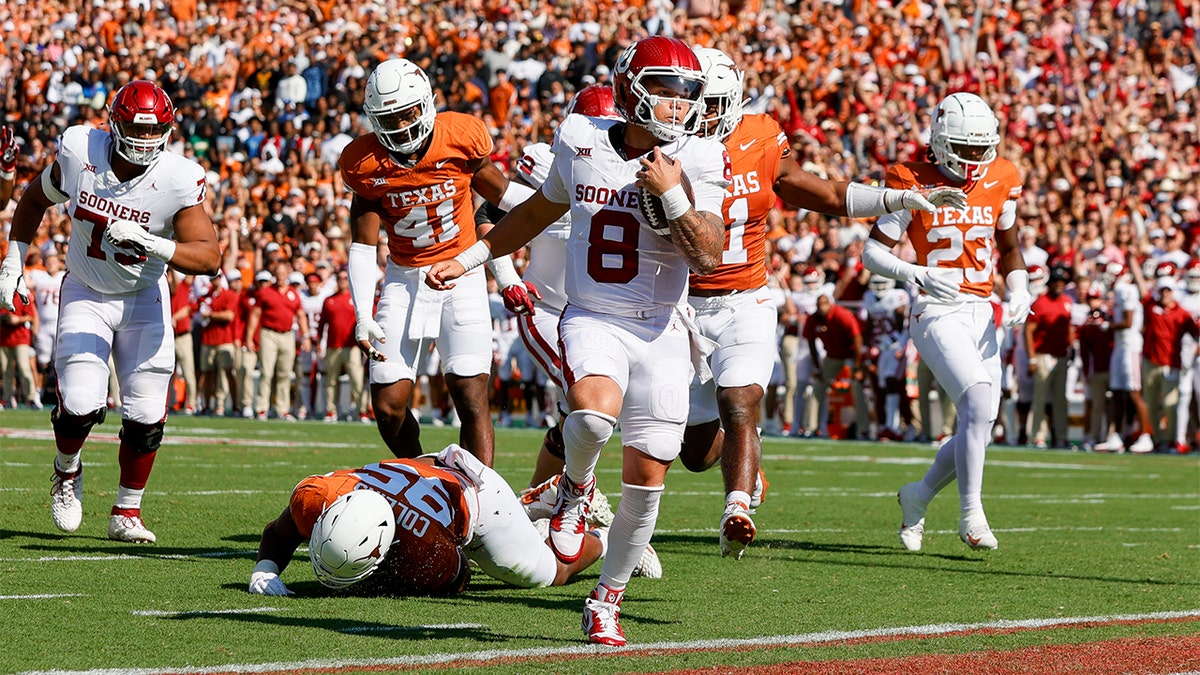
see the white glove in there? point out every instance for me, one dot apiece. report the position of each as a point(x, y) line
point(1019, 302)
point(126, 234)
point(940, 284)
point(367, 331)
point(268, 583)
point(915, 199)
point(12, 276)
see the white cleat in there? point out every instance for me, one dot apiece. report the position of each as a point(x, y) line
point(912, 528)
point(129, 529)
point(1113, 444)
point(66, 499)
point(649, 566)
point(737, 530)
point(600, 513)
point(568, 524)
point(976, 533)
point(760, 491)
point(539, 500)
point(1142, 445)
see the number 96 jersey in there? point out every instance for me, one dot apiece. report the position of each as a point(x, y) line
point(96, 198)
point(952, 238)
point(433, 519)
point(427, 209)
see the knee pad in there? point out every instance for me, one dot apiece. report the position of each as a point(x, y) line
point(143, 438)
point(554, 442)
point(588, 428)
point(75, 426)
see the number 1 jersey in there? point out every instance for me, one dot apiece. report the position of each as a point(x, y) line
point(96, 198)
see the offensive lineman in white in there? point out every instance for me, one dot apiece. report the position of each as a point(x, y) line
point(134, 208)
point(46, 286)
point(625, 340)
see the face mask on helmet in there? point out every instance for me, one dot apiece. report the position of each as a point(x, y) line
point(964, 136)
point(669, 105)
point(880, 284)
point(723, 85)
point(140, 118)
point(399, 102)
point(351, 537)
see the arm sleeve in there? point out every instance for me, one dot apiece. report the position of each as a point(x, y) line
point(1008, 215)
point(364, 273)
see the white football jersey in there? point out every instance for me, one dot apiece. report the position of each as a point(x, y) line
point(96, 198)
point(1126, 300)
point(547, 269)
point(46, 291)
point(1191, 303)
point(312, 306)
point(616, 264)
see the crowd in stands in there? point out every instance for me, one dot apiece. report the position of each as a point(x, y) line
point(1098, 103)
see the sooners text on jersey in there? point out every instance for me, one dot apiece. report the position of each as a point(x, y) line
point(97, 198)
point(427, 210)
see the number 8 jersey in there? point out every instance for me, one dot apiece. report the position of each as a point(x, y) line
point(95, 197)
point(953, 238)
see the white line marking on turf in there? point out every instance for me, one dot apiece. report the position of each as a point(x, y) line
point(206, 612)
point(42, 596)
point(410, 629)
point(932, 630)
point(39, 435)
point(129, 556)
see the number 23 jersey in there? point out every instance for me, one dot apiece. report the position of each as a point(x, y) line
point(96, 198)
point(952, 238)
point(615, 264)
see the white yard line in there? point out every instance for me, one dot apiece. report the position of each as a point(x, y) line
point(41, 596)
point(411, 629)
point(823, 637)
point(205, 612)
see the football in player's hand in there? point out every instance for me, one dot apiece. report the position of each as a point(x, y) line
point(652, 207)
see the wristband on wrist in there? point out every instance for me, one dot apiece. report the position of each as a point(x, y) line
point(473, 257)
point(506, 275)
point(675, 202)
point(267, 566)
point(8, 175)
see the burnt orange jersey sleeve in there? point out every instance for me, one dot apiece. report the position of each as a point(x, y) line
point(315, 493)
point(959, 239)
point(755, 149)
point(427, 208)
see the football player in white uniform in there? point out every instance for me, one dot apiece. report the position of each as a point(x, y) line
point(953, 320)
point(625, 339)
point(1189, 374)
point(46, 286)
point(134, 208)
point(883, 312)
point(1125, 373)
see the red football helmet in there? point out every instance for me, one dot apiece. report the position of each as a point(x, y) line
point(1166, 268)
point(659, 70)
point(141, 117)
point(593, 101)
point(812, 275)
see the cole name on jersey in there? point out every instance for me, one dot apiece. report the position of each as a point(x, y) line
point(97, 198)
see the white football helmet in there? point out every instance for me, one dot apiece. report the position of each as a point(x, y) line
point(1192, 278)
point(964, 135)
point(1037, 280)
point(350, 538)
point(722, 93)
point(659, 70)
point(880, 284)
point(399, 102)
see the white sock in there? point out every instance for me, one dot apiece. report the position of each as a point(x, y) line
point(67, 463)
point(739, 496)
point(632, 528)
point(941, 473)
point(975, 429)
point(601, 533)
point(128, 498)
point(584, 434)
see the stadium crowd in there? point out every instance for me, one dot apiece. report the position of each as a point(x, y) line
point(1097, 100)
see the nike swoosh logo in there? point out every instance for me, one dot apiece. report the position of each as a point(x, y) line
point(763, 300)
point(439, 165)
point(746, 146)
point(991, 184)
point(974, 541)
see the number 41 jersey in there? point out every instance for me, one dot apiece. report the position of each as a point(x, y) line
point(952, 238)
point(96, 198)
point(615, 263)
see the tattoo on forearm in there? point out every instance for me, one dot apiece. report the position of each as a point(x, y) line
point(700, 237)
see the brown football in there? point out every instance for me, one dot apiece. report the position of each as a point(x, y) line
point(652, 207)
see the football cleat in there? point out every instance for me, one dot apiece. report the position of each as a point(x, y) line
point(539, 500)
point(600, 513)
point(760, 490)
point(128, 527)
point(649, 566)
point(66, 499)
point(975, 532)
point(912, 528)
point(569, 521)
point(601, 616)
point(1142, 445)
point(1113, 444)
point(737, 530)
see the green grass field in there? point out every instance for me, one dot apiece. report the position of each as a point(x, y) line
point(1081, 535)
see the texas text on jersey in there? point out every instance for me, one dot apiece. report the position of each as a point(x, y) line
point(427, 209)
point(953, 238)
point(433, 519)
point(755, 148)
point(97, 198)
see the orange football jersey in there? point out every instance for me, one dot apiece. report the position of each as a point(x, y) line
point(432, 518)
point(959, 239)
point(755, 148)
point(427, 209)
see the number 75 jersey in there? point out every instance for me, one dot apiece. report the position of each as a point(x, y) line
point(952, 238)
